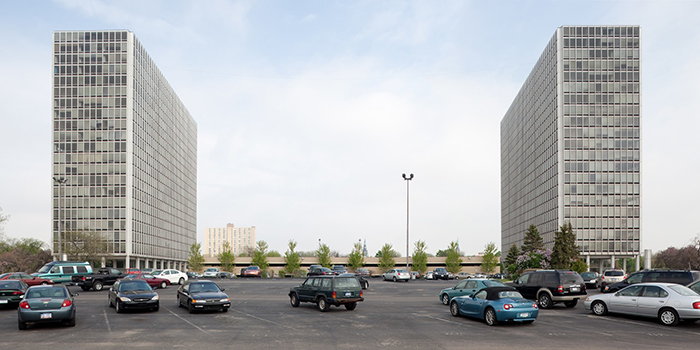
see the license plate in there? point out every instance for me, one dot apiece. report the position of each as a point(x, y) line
point(46, 315)
point(524, 314)
point(3, 301)
point(574, 289)
point(348, 294)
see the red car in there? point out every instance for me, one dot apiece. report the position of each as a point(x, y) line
point(153, 281)
point(252, 271)
point(28, 279)
point(133, 270)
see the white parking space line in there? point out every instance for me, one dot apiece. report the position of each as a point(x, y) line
point(190, 323)
point(109, 328)
point(649, 323)
point(264, 320)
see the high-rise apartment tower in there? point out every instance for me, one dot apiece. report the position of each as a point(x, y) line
point(570, 145)
point(124, 153)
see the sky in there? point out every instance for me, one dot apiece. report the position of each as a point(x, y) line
point(309, 112)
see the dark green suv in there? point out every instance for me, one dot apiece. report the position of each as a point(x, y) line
point(328, 290)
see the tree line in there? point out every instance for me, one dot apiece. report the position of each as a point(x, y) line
point(21, 255)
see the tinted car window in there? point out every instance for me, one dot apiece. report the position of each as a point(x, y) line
point(614, 273)
point(635, 278)
point(571, 278)
point(551, 278)
point(316, 282)
point(81, 269)
point(683, 290)
point(67, 269)
point(524, 278)
point(326, 283)
point(679, 277)
point(631, 291)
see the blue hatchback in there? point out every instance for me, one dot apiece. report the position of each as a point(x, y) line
point(496, 304)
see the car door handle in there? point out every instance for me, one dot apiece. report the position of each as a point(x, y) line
point(633, 299)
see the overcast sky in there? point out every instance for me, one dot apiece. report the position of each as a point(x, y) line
point(308, 112)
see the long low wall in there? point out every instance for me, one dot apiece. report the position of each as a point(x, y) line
point(471, 264)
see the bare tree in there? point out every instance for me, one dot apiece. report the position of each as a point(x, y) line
point(87, 246)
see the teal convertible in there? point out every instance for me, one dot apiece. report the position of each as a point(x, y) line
point(495, 304)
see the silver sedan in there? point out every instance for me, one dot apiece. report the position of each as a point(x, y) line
point(668, 302)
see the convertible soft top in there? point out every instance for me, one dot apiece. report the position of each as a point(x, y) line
point(492, 292)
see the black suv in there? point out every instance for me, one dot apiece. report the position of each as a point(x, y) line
point(440, 273)
point(328, 290)
point(683, 277)
point(551, 286)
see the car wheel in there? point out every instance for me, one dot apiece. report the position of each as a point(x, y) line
point(490, 317)
point(21, 325)
point(109, 300)
point(323, 304)
point(294, 300)
point(545, 301)
point(394, 278)
point(71, 322)
point(181, 281)
point(668, 317)
point(365, 285)
point(97, 285)
point(571, 303)
point(405, 281)
point(445, 299)
point(383, 278)
point(190, 308)
point(163, 285)
point(454, 309)
point(599, 308)
point(351, 306)
point(44, 283)
point(118, 306)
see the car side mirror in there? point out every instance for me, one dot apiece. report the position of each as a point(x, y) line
point(223, 289)
point(75, 294)
point(617, 294)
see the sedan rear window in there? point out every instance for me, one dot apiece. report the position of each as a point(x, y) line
point(614, 273)
point(683, 290)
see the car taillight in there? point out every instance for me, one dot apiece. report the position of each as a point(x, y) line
point(17, 292)
point(83, 278)
point(333, 295)
point(361, 293)
point(507, 306)
point(560, 289)
point(602, 277)
point(66, 303)
point(534, 305)
point(24, 305)
point(624, 277)
point(696, 305)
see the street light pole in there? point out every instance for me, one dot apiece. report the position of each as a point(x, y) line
point(407, 179)
point(60, 182)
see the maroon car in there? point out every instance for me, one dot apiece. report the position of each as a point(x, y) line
point(23, 276)
point(153, 281)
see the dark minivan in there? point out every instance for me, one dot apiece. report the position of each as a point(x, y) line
point(551, 286)
point(683, 277)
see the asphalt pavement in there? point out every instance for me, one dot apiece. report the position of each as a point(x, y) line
point(394, 315)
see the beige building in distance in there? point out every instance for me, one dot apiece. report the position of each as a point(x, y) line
point(239, 237)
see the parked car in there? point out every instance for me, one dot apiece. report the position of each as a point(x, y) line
point(328, 290)
point(498, 276)
point(317, 271)
point(103, 277)
point(396, 275)
point(363, 272)
point(466, 287)
point(479, 275)
point(193, 275)
point(147, 270)
point(551, 286)
point(339, 269)
point(133, 294)
point(23, 276)
point(174, 276)
point(252, 271)
point(441, 273)
point(311, 267)
point(610, 277)
point(225, 274)
point(46, 303)
point(428, 275)
point(495, 304)
point(202, 295)
point(695, 286)
point(415, 275)
point(63, 271)
point(153, 281)
point(12, 292)
point(683, 277)
point(210, 272)
point(592, 279)
point(463, 275)
point(132, 270)
point(668, 302)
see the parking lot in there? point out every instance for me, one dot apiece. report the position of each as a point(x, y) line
point(393, 315)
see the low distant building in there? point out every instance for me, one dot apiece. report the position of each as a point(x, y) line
point(240, 239)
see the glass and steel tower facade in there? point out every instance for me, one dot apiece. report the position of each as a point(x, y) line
point(127, 148)
point(570, 145)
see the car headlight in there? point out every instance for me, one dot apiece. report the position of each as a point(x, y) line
point(198, 301)
point(155, 298)
point(224, 300)
point(124, 299)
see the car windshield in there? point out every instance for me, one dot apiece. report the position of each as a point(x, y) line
point(156, 272)
point(134, 286)
point(683, 290)
point(347, 283)
point(401, 271)
point(588, 275)
point(491, 283)
point(616, 273)
point(509, 294)
point(253, 268)
point(204, 288)
point(10, 285)
point(212, 269)
point(44, 269)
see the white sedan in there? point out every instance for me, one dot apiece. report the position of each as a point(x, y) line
point(174, 276)
point(669, 302)
point(396, 275)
